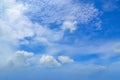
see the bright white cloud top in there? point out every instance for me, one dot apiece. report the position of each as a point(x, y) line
point(49, 61)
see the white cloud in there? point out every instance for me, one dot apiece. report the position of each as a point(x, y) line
point(20, 58)
point(102, 50)
point(69, 25)
point(65, 59)
point(46, 35)
point(47, 60)
point(57, 11)
point(110, 5)
point(16, 26)
point(116, 47)
point(15, 11)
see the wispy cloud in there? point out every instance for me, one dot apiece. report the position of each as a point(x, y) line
point(110, 5)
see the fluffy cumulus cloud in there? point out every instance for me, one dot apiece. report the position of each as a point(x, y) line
point(48, 60)
point(20, 58)
point(69, 25)
point(51, 61)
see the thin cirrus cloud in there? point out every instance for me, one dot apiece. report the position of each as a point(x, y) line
point(110, 5)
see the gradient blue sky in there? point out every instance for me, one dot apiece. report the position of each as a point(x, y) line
point(59, 39)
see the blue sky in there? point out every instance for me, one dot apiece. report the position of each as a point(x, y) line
point(59, 40)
